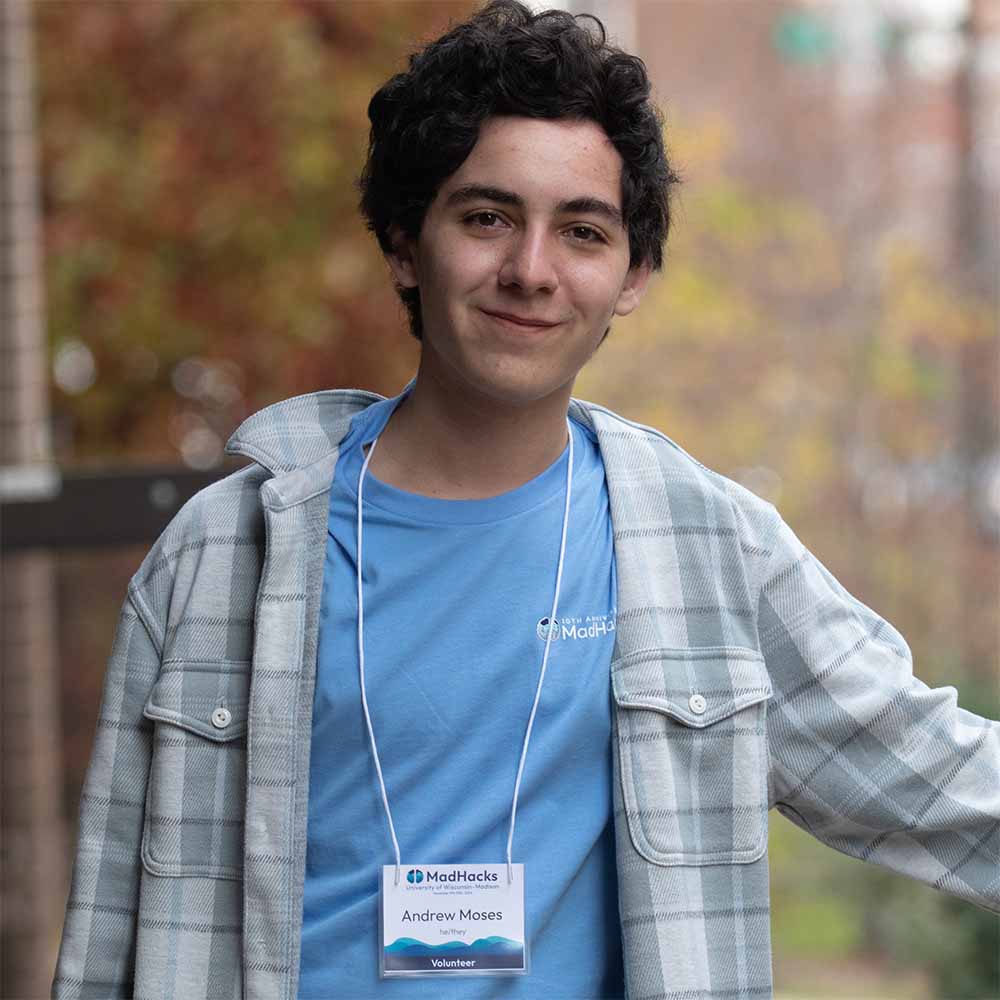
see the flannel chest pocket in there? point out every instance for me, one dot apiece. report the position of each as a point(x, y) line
point(197, 782)
point(692, 753)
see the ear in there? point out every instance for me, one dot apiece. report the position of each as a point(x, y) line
point(402, 258)
point(632, 291)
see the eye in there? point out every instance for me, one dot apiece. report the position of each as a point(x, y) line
point(587, 234)
point(484, 219)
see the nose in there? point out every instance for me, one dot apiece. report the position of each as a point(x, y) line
point(530, 263)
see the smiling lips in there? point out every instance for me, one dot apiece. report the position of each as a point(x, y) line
point(528, 322)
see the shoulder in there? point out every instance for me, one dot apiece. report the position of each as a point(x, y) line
point(219, 528)
point(649, 467)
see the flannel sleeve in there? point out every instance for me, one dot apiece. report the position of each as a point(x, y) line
point(863, 755)
point(97, 953)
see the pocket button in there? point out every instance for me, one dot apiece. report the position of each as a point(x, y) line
point(697, 704)
point(221, 718)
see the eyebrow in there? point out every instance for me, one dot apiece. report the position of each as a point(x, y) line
point(584, 205)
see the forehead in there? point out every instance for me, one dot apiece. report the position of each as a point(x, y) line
point(542, 160)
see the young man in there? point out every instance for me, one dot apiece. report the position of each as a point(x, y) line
point(483, 660)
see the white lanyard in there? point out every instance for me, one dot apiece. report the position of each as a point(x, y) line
point(541, 676)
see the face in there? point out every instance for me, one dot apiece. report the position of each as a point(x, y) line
point(522, 261)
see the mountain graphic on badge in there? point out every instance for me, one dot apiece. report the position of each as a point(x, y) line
point(497, 945)
point(493, 945)
point(415, 875)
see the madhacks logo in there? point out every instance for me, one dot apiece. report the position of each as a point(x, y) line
point(581, 627)
point(461, 875)
point(547, 625)
point(432, 875)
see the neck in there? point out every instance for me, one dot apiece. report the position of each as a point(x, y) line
point(443, 443)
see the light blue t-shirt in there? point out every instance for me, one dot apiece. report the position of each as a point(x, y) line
point(457, 597)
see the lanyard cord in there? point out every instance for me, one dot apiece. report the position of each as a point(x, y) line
point(541, 675)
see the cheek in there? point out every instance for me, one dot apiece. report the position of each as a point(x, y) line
point(596, 289)
point(458, 272)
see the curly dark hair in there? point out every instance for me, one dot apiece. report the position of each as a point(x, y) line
point(506, 60)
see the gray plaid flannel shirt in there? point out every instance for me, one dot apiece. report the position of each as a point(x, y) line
point(190, 861)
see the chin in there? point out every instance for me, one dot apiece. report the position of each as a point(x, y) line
point(479, 369)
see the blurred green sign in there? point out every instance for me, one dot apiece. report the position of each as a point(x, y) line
point(803, 36)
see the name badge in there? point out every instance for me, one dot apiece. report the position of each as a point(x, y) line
point(453, 920)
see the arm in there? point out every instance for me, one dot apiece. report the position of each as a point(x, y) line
point(97, 954)
point(864, 756)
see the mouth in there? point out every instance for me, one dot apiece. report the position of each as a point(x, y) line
point(525, 323)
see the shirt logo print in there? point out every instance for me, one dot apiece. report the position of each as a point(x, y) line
point(588, 627)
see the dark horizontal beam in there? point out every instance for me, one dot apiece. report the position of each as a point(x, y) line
point(102, 508)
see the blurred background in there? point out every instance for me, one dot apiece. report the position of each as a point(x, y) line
point(180, 246)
